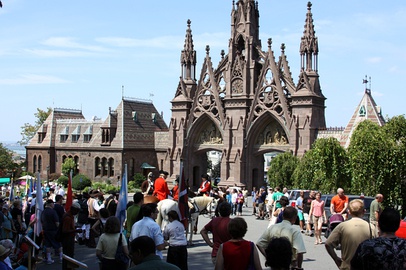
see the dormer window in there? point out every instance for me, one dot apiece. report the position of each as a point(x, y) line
point(64, 134)
point(76, 134)
point(362, 111)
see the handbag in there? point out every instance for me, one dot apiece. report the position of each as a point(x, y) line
point(121, 257)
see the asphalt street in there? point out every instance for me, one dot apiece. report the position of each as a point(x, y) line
point(316, 257)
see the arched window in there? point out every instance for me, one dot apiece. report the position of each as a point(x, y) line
point(76, 159)
point(97, 166)
point(105, 166)
point(63, 158)
point(39, 163)
point(34, 164)
point(111, 167)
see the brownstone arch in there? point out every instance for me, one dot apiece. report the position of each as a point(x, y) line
point(203, 136)
point(267, 134)
point(249, 102)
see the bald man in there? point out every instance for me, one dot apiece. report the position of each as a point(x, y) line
point(349, 235)
point(339, 203)
point(375, 210)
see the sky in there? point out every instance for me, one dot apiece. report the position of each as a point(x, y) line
point(86, 55)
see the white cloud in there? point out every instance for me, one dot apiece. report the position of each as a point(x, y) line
point(158, 42)
point(33, 79)
point(374, 60)
point(67, 42)
point(58, 53)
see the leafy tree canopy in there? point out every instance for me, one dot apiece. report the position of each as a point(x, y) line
point(281, 169)
point(68, 165)
point(28, 130)
point(6, 161)
point(80, 181)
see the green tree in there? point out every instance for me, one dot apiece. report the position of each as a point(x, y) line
point(28, 130)
point(324, 167)
point(7, 164)
point(80, 181)
point(63, 180)
point(371, 154)
point(395, 129)
point(69, 164)
point(281, 169)
point(138, 179)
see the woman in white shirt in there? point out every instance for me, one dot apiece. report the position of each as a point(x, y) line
point(174, 233)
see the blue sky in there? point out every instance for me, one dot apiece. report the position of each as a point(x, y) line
point(78, 54)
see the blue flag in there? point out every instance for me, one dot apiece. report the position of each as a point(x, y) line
point(39, 207)
point(122, 200)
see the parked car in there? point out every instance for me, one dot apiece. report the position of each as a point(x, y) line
point(401, 232)
point(294, 194)
point(367, 203)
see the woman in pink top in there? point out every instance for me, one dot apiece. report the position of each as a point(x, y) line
point(317, 211)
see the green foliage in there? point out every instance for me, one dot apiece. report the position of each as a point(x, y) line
point(6, 161)
point(281, 169)
point(324, 167)
point(111, 189)
point(28, 130)
point(68, 165)
point(369, 151)
point(138, 179)
point(63, 180)
point(80, 181)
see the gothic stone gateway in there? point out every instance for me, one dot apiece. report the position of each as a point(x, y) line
point(247, 106)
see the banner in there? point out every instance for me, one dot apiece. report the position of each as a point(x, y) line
point(68, 203)
point(122, 200)
point(183, 197)
point(39, 207)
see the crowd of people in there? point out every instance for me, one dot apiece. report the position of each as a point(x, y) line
point(91, 221)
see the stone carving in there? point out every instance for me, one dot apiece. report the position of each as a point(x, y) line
point(210, 135)
point(272, 135)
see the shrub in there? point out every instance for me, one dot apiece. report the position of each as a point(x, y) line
point(138, 179)
point(63, 180)
point(80, 181)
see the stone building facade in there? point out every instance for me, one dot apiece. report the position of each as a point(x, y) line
point(131, 134)
point(247, 106)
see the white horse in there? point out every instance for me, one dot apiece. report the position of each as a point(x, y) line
point(197, 206)
point(202, 205)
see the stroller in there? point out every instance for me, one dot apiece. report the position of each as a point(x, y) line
point(333, 221)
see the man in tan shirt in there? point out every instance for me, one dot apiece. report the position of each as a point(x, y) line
point(349, 234)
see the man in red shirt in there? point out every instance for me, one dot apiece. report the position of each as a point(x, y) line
point(218, 227)
point(339, 203)
point(205, 187)
point(161, 189)
point(175, 190)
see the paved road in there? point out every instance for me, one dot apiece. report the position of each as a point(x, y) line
point(316, 257)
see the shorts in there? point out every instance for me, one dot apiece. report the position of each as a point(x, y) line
point(261, 206)
point(306, 218)
point(318, 221)
point(49, 240)
point(300, 215)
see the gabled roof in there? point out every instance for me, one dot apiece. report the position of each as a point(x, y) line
point(366, 110)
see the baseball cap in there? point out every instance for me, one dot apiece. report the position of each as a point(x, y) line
point(75, 205)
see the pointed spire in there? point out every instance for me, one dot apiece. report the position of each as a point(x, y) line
point(309, 47)
point(188, 56)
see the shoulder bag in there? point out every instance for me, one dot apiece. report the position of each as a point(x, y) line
point(121, 257)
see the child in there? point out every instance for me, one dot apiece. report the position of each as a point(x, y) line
point(175, 233)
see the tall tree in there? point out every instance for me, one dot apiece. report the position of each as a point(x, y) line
point(372, 160)
point(6, 161)
point(28, 130)
point(281, 169)
point(396, 130)
point(324, 167)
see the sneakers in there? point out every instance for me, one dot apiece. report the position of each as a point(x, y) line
point(49, 261)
